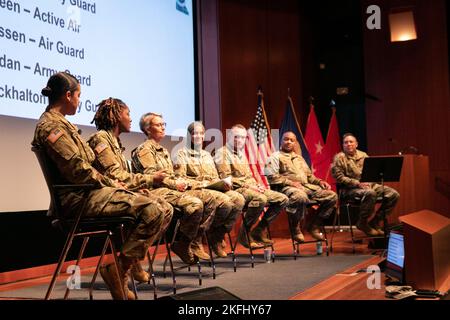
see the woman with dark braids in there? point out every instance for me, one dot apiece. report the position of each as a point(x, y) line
point(73, 159)
point(111, 119)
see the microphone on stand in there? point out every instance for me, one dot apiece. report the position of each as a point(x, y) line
point(409, 150)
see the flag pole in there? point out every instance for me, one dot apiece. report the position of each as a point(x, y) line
point(264, 112)
point(295, 115)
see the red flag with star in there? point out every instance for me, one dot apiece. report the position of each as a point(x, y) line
point(316, 145)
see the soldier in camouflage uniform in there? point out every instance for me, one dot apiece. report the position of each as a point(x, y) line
point(73, 159)
point(231, 162)
point(198, 165)
point(289, 173)
point(346, 169)
point(151, 157)
point(111, 119)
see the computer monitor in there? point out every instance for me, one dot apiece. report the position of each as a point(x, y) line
point(396, 256)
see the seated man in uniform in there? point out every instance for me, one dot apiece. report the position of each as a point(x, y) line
point(346, 169)
point(231, 162)
point(289, 173)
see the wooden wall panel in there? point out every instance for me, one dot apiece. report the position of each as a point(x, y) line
point(412, 81)
point(259, 46)
point(243, 58)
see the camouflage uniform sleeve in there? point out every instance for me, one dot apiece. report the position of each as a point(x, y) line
point(108, 164)
point(223, 165)
point(312, 179)
point(212, 170)
point(339, 174)
point(272, 171)
point(144, 161)
point(180, 169)
point(63, 150)
point(181, 162)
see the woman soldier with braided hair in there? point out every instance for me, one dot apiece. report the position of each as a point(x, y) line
point(111, 119)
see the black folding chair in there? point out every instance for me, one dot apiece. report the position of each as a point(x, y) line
point(348, 203)
point(247, 230)
point(77, 225)
point(176, 220)
point(296, 244)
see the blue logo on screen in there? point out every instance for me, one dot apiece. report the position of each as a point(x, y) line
point(181, 6)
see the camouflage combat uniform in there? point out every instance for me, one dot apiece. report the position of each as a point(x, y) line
point(150, 157)
point(111, 162)
point(199, 166)
point(283, 169)
point(347, 171)
point(235, 164)
point(73, 158)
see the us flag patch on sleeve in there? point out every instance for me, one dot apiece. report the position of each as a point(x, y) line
point(55, 135)
point(100, 147)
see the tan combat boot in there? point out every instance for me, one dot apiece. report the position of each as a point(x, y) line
point(375, 224)
point(198, 250)
point(364, 226)
point(139, 274)
point(294, 224)
point(242, 239)
point(182, 248)
point(117, 280)
point(314, 228)
point(223, 244)
point(299, 237)
point(215, 240)
point(260, 233)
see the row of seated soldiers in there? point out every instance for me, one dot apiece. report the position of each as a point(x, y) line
point(154, 185)
point(183, 182)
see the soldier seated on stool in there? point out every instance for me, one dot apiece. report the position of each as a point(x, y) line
point(231, 162)
point(346, 169)
point(289, 173)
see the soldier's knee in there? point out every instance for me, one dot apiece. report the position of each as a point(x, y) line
point(225, 205)
point(152, 215)
point(262, 199)
point(259, 200)
point(195, 206)
point(394, 195)
point(297, 199)
point(238, 202)
point(370, 194)
point(283, 200)
point(333, 196)
point(166, 207)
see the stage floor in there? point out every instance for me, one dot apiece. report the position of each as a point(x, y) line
point(285, 279)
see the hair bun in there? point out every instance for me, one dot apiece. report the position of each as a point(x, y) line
point(46, 91)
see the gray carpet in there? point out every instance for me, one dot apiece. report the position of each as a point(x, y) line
point(267, 281)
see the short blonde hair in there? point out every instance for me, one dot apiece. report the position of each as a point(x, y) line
point(146, 120)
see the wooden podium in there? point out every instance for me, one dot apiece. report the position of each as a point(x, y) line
point(414, 186)
point(427, 250)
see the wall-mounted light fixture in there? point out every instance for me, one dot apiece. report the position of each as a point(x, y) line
point(402, 25)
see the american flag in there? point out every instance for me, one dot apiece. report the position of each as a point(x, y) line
point(259, 146)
